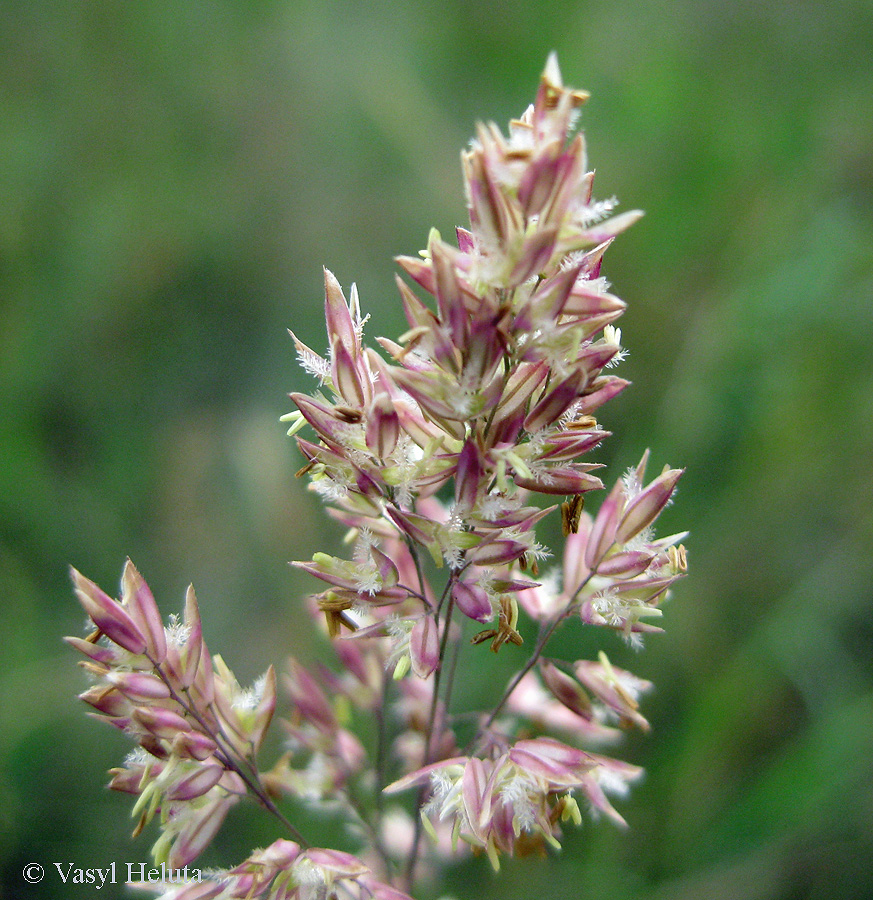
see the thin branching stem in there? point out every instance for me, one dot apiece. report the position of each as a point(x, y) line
point(431, 725)
point(370, 824)
point(243, 767)
point(545, 634)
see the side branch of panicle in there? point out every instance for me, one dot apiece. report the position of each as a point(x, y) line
point(195, 728)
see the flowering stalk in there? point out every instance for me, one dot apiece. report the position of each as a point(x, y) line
point(440, 459)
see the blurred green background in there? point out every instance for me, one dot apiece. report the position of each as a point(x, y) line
point(172, 178)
